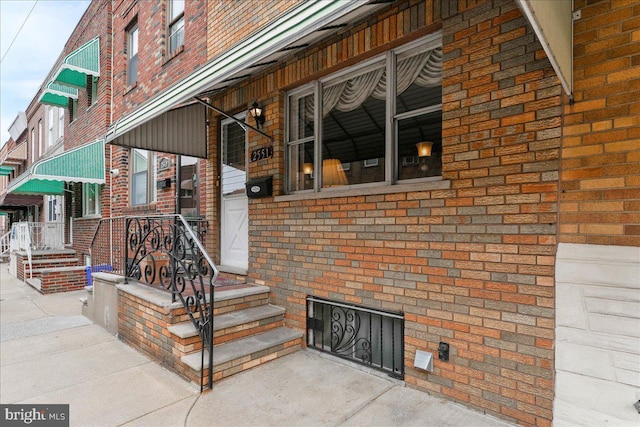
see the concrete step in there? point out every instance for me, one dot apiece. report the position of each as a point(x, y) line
point(226, 301)
point(230, 320)
point(230, 326)
point(243, 354)
point(70, 261)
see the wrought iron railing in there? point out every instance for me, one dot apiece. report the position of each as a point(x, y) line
point(371, 337)
point(165, 252)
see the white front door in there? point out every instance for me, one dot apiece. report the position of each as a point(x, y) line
point(235, 204)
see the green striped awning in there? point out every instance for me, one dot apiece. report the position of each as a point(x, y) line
point(47, 176)
point(79, 64)
point(5, 170)
point(58, 95)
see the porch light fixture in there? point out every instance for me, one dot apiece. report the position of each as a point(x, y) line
point(307, 168)
point(424, 148)
point(257, 112)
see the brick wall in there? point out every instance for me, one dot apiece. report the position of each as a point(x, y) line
point(238, 20)
point(469, 261)
point(156, 68)
point(600, 199)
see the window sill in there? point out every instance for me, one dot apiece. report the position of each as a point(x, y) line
point(130, 88)
point(88, 217)
point(172, 55)
point(148, 208)
point(435, 183)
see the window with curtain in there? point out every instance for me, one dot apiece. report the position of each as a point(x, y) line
point(176, 25)
point(132, 54)
point(143, 189)
point(90, 199)
point(343, 120)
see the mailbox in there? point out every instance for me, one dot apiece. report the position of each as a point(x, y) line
point(260, 187)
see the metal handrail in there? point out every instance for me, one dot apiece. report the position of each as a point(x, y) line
point(5, 243)
point(164, 251)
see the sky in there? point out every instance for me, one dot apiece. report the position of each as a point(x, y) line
point(34, 52)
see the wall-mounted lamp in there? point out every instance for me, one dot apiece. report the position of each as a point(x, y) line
point(307, 168)
point(424, 148)
point(257, 112)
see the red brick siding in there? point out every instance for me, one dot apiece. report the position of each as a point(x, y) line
point(472, 265)
point(600, 198)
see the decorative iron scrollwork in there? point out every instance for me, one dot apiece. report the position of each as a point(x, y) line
point(345, 327)
point(165, 252)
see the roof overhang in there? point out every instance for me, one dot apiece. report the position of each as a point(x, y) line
point(57, 95)
point(295, 29)
point(47, 176)
point(552, 22)
point(82, 62)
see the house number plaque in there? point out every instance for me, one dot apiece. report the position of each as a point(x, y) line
point(262, 153)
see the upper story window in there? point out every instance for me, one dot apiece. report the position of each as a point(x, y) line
point(61, 121)
point(50, 134)
point(92, 90)
point(40, 137)
point(373, 117)
point(72, 106)
point(176, 25)
point(143, 177)
point(33, 145)
point(132, 54)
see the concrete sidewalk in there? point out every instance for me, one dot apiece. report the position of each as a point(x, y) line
point(50, 354)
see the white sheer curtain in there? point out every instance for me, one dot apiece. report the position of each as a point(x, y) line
point(423, 69)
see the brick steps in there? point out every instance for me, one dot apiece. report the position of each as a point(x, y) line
point(246, 353)
point(248, 330)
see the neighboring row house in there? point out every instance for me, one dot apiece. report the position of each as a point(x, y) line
point(457, 180)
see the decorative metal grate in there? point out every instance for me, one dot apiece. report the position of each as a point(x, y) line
point(370, 337)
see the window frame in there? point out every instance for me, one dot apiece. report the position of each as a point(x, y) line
point(50, 127)
point(40, 139)
point(151, 173)
point(87, 210)
point(392, 119)
point(133, 40)
point(175, 23)
point(33, 144)
point(61, 122)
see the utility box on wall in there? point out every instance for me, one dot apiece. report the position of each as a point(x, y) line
point(260, 187)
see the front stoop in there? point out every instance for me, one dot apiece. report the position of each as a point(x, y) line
point(248, 330)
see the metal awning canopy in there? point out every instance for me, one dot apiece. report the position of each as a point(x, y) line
point(57, 95)
point(305, 23)
point(19, 200)
point(47, 176)
point(6, 170)
point(82, 62)
point(552, 22)
point(16, 156)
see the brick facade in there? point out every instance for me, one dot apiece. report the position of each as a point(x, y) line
point(470, 260)
point(600, 198)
